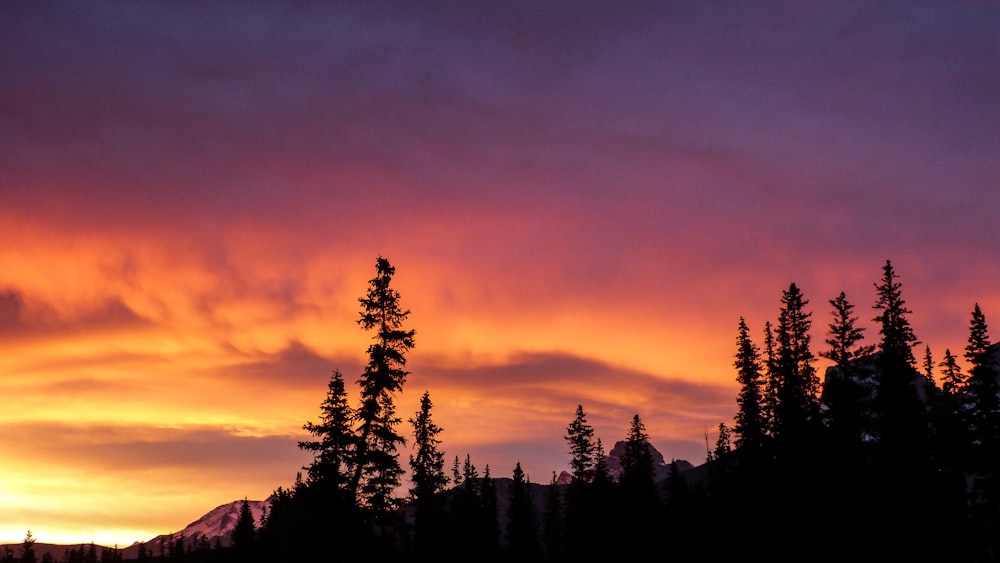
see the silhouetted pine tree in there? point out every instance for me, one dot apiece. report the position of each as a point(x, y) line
point(637, 461)
point(244, 535)
point(928, 366)
point(580, 436)
point(28, 549)
point(522, 524)
point(750, 423)
point(489, 530)
point(903, 447)
point(953, 381)
point(902, 426)
point(640, 499)
point(333, 451)
point(845, 397)
point(983, 390)
point(467, 511)
point(797, 407)
point(580, 525)
point(428, 481)
point(377, 471)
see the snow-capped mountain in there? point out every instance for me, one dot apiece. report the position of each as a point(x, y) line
point(215, 527)
point(221, 520)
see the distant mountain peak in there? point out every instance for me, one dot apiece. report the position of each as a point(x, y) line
point(216, 525)
point(661, 467)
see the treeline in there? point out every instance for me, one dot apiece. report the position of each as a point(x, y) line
point(885, 460)
point(345, 506)
point(77, 554)
point(880, 460)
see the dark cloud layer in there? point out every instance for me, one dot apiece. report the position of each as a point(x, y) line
point(41, 320)
point(206, 454)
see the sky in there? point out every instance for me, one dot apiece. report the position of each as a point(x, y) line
point(581, 199)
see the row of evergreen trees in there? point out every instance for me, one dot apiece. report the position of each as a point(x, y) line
point(879, 462)
point(90, 553)
point(880, 450)
point(345, 506)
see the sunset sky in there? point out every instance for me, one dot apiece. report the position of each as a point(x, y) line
point(580, 198)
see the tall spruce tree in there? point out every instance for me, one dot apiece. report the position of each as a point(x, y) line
point(637, 461)
point(984, 398)
point(751, 429)
point(468, 511)
point(982, 387)
point(843, 336)
point(489, 531)
point(902, 453)
point(377, 470)
point(427, 461)
point(522, 526)
point(797, 409)
point(582, 497)
point(844, 395)
point(902, 425)
point(953, 381)
point(428, 480)
point(897, 335)
point(244, 533)
point(333, 450)
point(639, 496)
point(580, 437)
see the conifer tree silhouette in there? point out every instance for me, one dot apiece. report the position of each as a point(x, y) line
point(750, 426)
point(522, 526)
point(580, 436)
point(582, 497)
point(902, 455)
point(984, 398)
point(377, 470)
point(428, 480)
point(797, 408)
point(244, 534)
point(28, 549)
point(336, 442)
point(902, 425)
point(489, 529)
point(640, 504)
point(845, 396)
point(983, 389)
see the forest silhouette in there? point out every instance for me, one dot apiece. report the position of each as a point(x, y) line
point(884, 458)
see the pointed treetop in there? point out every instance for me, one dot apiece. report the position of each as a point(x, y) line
point(979, 338)
point(897, 336)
